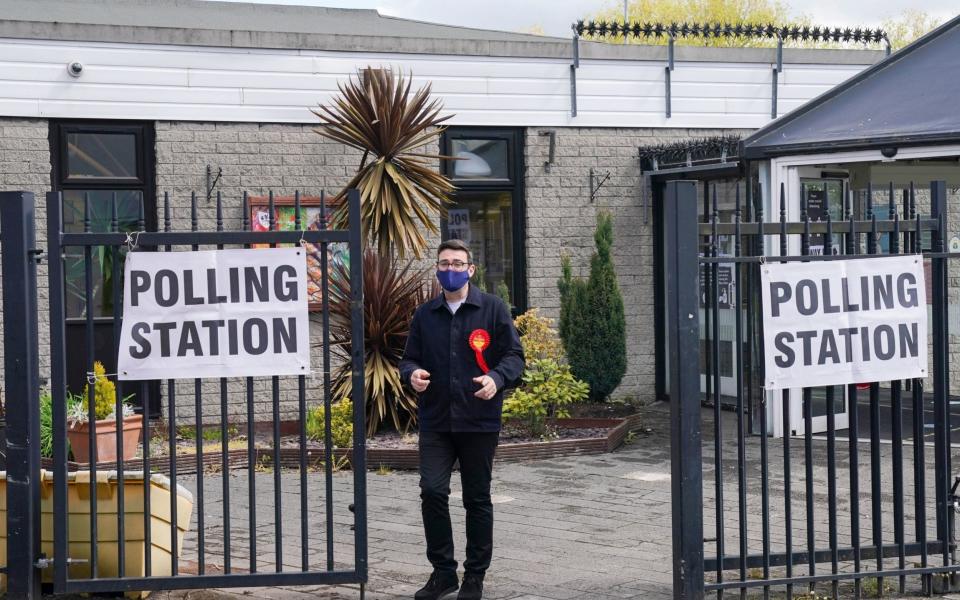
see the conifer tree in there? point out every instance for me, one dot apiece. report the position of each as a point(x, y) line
point(592, 322)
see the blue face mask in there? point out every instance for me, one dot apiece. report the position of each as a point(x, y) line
point(453, 280)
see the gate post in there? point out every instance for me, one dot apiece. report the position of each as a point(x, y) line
point(941, 378)
point(683, 330)
point(21, 375)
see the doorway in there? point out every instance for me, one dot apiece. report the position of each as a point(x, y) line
point(488, 210)
point(105, 173)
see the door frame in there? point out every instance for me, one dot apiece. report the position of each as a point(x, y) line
point(515, 138)
point(789, 170)
point(145, 182)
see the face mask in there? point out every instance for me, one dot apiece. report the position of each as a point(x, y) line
point(453, 280)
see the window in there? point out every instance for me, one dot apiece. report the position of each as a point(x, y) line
point(101, 171)
point(488, 209)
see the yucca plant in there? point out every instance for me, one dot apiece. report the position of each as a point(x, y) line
point(401, 191)
point(402, 194)
point(391, 293)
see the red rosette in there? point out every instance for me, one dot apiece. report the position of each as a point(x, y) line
point(479, 341)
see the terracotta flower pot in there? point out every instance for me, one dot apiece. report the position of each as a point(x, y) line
point(105, 431)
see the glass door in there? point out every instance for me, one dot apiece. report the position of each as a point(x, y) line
point(488, 209)
point(821, 197)
point(104, 171)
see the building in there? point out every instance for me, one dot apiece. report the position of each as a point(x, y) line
point(145, 98)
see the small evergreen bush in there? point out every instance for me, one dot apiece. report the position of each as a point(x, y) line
point(104, 395)
point(592, 321)
point(504, 292)
point(341, 423)
point(548, 388)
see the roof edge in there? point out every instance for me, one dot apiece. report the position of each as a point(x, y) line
point(766, 152)
point(839, 89)
point(553, 48)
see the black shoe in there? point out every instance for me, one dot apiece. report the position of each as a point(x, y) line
point(440, 584)
point(472, 588)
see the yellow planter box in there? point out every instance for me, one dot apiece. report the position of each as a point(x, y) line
point(108, 547)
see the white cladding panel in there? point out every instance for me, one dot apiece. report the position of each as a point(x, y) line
point(131, 81)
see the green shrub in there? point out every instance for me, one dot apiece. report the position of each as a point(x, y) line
point(104, 395)
point(341, 423)
point(479, 278)
point(46, 424)
point(46, 421)
point(504, 292)
point(592, 322)
point(538, 337)
point(548, 388)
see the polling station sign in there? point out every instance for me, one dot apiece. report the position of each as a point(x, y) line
point(844, 321)
point(214, 313)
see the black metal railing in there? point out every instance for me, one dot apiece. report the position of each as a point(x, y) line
point(785, 521)
point(215, 541)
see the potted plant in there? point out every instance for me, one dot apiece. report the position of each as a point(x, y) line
point(105, 424)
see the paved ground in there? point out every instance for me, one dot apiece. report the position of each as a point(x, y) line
point(594, 527)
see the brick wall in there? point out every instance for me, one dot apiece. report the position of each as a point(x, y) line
point(25, 165)
point(256, 158)
point(561, 219)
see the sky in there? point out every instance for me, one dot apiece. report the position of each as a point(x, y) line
point(556, 16)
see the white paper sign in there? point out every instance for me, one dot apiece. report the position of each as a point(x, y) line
point(458, 224)
point(844, 321)
point(214, 313)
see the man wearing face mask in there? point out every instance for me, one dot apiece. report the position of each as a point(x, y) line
point(461, 352)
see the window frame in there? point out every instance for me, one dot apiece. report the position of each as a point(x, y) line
point(514, 137)
point(142, 136)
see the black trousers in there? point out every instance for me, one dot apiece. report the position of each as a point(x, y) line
point(438, 452)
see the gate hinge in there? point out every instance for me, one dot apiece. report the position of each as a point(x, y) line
point(36, 253)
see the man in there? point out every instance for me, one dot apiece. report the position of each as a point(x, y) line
point(462, 351)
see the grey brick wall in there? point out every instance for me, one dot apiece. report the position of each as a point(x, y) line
point(561, 220)
point(256, 158)
point(25, 165)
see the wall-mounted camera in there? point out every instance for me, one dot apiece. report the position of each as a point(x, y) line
point(75, 69)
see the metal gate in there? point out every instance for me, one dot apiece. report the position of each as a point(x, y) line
point(845, 513)
point(263, 514)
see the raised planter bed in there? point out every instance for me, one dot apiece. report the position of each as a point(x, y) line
point(393, 458)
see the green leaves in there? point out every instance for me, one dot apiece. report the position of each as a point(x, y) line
point(341, 423)
point(592, 321)
point(548, 388)
point(400, 189)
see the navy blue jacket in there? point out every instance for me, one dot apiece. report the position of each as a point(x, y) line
point(438, 343)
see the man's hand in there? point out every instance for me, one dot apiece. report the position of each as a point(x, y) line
point(488, 387)
point(420, 379)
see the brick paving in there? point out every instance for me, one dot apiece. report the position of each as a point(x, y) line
point(593, 527)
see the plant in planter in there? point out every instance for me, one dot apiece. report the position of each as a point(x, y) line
point(105, 422)
point(548, 386)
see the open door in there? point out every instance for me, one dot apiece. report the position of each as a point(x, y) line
point(821, 194)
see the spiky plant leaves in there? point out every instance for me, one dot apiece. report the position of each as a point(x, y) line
point(391, 293)
point(400, 190)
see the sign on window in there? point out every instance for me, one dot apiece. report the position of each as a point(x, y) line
point(458, 224)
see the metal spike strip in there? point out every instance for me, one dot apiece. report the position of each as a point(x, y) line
point(696, 149)
point(603, 29)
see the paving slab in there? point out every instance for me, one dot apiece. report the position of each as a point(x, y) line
point(579, 527)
